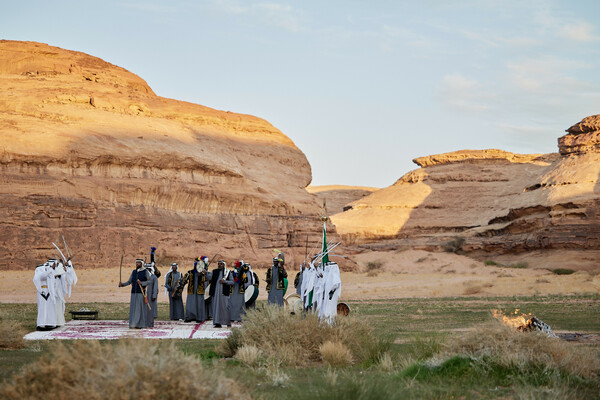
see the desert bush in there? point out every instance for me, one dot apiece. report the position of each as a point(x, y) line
point(504, 346)
point(249, 355)
point(519, 265)
point(125, 370)
point(374, 267)
point(455, 245)
point(426, 347)
point(335, 354)
point(492, 262)
point(11, 334)
point(563, 271)
point(296, 339)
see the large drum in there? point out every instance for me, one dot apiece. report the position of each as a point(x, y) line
point(294, 304)
point(343, 309)
point(250, 295)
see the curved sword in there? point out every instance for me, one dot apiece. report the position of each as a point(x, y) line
point(61, 253)
point(66, 247)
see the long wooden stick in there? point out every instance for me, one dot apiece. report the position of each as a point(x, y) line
point(120, 269)
point(145, 297)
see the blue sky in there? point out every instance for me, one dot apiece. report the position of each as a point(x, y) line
point(361, 87)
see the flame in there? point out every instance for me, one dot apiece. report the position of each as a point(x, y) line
point(513, 320)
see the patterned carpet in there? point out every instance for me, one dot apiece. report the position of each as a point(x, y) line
point(120, 330)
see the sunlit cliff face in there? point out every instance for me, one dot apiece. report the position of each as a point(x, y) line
point(88, 150)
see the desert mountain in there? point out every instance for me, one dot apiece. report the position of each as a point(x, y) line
point(88, 150)
point(498, 201)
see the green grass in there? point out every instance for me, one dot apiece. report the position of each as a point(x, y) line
point(519, 265)
point(563, 271)
point(419, 328)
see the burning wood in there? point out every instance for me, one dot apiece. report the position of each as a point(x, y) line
point(524, 322)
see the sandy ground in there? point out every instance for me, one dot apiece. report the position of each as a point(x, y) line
point(413, 273)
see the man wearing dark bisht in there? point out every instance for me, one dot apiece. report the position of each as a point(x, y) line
point(194, 305)
point(221, 281)
point(172, 280)
point(276, 276)
point(138, 305)
point(236, 298)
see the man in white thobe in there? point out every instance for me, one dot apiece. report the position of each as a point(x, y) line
point(332, 292)
point(43, 279)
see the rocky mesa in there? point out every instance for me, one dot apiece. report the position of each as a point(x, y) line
point(497, 201)
point(90, 151)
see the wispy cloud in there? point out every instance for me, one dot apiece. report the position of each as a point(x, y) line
point(464, 94)
point(148, 7)
point(578, 32)
point(278, 15)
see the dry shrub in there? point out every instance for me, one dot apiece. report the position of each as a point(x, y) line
point(11, 334)
point(296, 340)
point(249, 355)
point(335, 354)
point(275, 373)
point(374, 267)
point(473, 289)
point(126, 370)
point(510, 348)
point(386, 363)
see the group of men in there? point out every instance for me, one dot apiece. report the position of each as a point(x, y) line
point(319, 287)
point(221, 295)
point(53, 281)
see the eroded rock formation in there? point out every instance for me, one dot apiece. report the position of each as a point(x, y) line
point(336, 197)
point(582, 138)
point(499, 201)
point(88, 150)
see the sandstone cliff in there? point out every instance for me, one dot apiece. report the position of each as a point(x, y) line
point(88, 149)
point(498, 201)
point(336, 197)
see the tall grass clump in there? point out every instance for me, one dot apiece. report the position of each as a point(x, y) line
point(296, 340)
point(335, 354)
point(11, 334)
point(125, 370)
point(522, 350)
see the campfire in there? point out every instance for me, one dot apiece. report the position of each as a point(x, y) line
point(524, 322)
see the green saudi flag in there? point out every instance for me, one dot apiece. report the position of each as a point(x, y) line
point(326, 256)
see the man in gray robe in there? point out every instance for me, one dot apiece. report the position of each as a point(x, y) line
point(276, 282)
point(138, 306)
point(236, 298)
point(175, 301)
point(221, 281)
point(152, 293)
point(194, 306)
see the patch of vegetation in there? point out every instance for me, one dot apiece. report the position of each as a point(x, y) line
point(296, 340)
point(455, 245)
point(374, 267)
point(519, 265)
point(11, 333)
point(563, 271)
point(95, 370)
point(424, 333)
